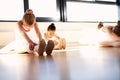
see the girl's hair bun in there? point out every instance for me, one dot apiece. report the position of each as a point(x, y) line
point(52, 24)
point(29, 11)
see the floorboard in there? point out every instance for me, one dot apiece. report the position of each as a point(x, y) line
point(82, 63)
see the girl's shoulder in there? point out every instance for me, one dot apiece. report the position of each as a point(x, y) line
point(20, 22)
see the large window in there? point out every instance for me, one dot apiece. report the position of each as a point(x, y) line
point(79, 11)
point(61, 10)
point(95, 0)
point(107, 0)
point(45, 8)
point(11, 10)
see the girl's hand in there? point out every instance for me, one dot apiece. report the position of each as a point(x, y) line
point(32, 45)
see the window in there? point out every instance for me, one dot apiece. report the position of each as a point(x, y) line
point(45, 8)
point(78, 11)
point(12, 11)
point(87, 0)
point(95, 0)
point(107, 0)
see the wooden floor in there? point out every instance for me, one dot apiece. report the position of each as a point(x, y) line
point(81, 63)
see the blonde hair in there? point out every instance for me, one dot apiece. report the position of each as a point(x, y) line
point(29, 17)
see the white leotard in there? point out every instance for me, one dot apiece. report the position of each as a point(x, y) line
point(20, 44)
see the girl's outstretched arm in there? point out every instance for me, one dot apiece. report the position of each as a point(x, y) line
point(38, 31)
point(57, 36)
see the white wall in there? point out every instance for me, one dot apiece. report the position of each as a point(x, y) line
point(73, 32)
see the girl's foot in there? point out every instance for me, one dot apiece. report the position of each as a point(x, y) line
point(63, 43)
point(49, 47)
point(41, 47)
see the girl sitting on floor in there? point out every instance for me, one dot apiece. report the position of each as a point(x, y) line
point(111, 35)
point(60, 43)
point(28, 37)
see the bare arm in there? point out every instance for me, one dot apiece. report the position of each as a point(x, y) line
point(45, 36)
point(38, 31)
point(57, 36)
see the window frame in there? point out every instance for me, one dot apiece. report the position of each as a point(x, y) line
point(95, 2)
point(61, 8)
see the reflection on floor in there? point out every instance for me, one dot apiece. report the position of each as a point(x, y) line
point(82, 63)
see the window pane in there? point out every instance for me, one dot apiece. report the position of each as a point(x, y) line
point(87, 0)
point(44, 8)
point(80, 0)
point(91, 12)
point(107, 0)
point(11, 9)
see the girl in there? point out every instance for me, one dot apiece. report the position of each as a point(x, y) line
point(31, 37)
point(60, 43)
point(111, 35)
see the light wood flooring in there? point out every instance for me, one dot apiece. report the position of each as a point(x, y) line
point(81, 63)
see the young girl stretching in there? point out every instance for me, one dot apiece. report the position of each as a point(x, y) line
point(60, 43)
point(31, 37)
point(111, 35)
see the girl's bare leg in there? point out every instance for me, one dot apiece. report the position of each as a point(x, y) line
point(63, 43)
point(60, 44)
